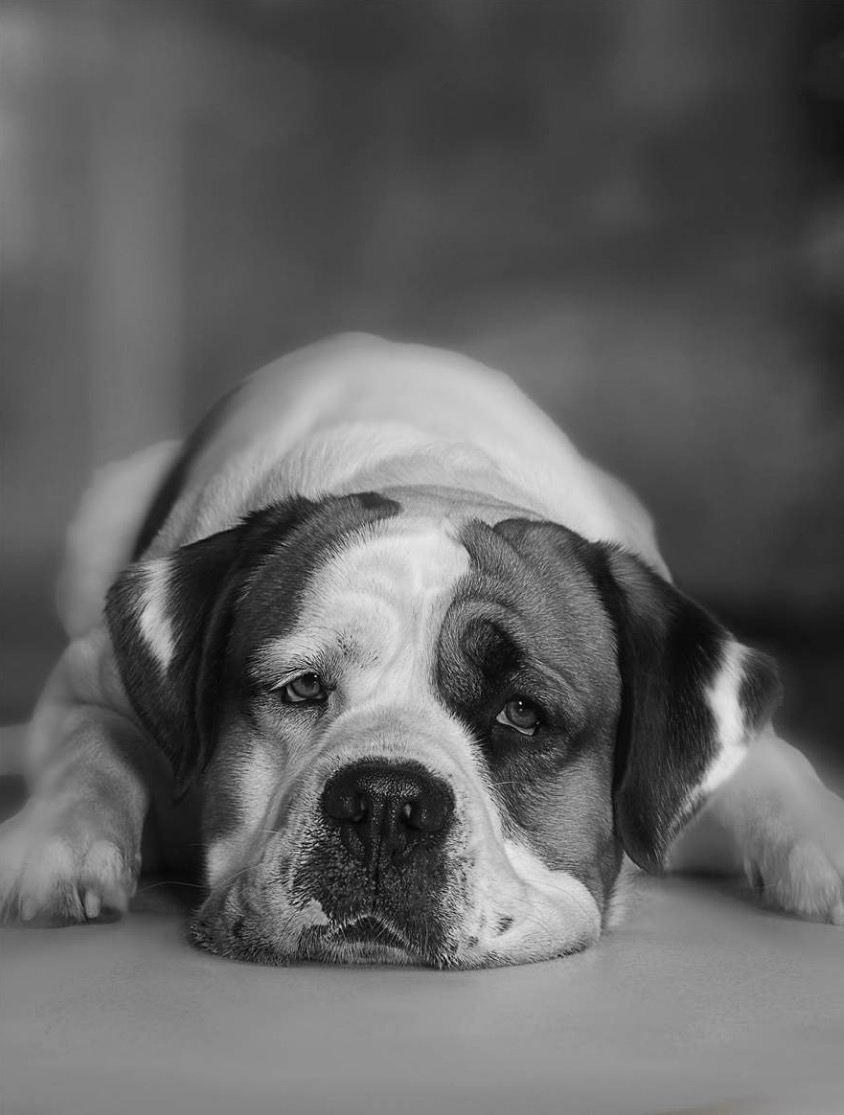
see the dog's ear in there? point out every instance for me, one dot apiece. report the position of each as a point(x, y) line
point(692, 699)
point(169, 619)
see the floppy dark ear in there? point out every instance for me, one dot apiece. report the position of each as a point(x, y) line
point(692, 699)
point(168, 620)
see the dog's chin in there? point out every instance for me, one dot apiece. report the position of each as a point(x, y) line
point(264, 926)
point(364, 941)
point(367, 940)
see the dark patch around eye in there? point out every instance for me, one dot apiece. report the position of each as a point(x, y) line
point(490, 649)
point(529, 624)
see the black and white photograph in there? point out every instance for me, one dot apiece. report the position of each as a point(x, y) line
point(422, 542)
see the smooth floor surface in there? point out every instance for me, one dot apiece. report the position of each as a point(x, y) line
point(700, 1001)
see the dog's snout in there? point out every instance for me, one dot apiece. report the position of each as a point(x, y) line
point(391, 807)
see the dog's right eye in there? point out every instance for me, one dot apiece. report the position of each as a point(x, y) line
point(307, 689)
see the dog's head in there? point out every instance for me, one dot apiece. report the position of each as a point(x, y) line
point(426, 739)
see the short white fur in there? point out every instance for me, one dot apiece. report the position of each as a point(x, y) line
point(154, 616)
point(722, 696)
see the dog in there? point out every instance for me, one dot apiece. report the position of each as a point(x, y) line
point(413, 674)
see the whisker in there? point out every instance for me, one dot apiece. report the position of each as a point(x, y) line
point(170, 883)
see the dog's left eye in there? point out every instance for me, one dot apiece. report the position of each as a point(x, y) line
point(520, 714)
point(305, 689)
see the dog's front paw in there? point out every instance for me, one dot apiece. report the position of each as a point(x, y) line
point(61, 865)
point(796, 860)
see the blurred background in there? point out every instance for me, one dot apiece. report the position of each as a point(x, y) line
point(634, 206)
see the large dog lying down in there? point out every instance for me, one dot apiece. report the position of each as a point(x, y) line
point(417, 677)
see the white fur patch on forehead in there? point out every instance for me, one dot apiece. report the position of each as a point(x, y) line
point(415, 556)
point(723, 698)
point(380, 599)
point(154, 619)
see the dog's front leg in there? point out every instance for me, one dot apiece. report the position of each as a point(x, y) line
point(774, 821)
point(74, 849)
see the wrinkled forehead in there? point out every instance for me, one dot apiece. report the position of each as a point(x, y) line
point(367, 594)
point(463, 595)
point(530, 598)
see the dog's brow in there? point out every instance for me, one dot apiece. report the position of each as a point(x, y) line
point(320, 652)
point(573, 698)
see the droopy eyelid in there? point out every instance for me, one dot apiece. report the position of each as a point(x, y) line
point(271, 674)
point(280, 660)
point(553, 695)
point(292, 675)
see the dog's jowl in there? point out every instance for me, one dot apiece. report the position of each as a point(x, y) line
point(418, 670)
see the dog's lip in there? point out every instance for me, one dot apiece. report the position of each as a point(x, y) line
point(372, 930)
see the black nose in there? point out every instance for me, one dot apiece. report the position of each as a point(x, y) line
point(385, 809)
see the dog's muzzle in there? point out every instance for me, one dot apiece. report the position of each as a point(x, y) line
point(379, 867)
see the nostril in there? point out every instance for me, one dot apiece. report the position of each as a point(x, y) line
point(342, 802)
point(428, 813)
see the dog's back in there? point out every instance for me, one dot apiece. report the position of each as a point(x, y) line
point(355, 413)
